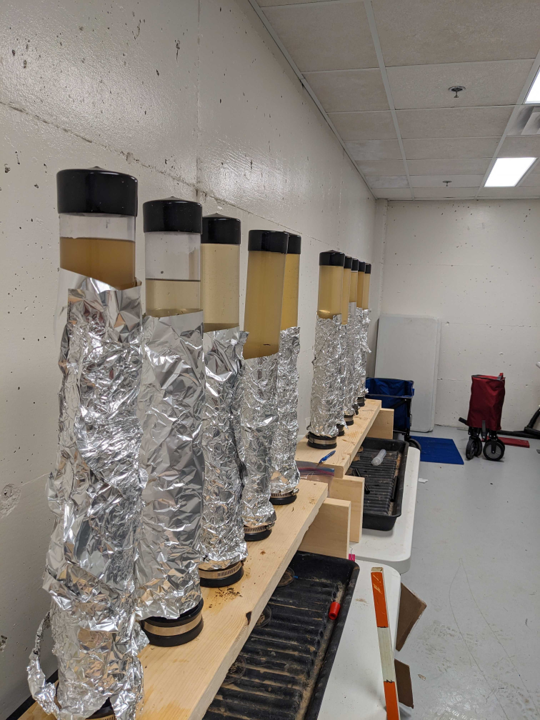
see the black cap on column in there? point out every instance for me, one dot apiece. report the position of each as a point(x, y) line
point(355, 264)
point(221, 230)
point(172, 215)
point(331, 257)
point(268, 241)
point(94, 190)
point(368, 269)
point(361, 266)
point(348, 262)
point(295, 244)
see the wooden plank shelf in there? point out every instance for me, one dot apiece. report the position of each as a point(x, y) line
point(347, 445)
point(343, 486)
point(180, 683)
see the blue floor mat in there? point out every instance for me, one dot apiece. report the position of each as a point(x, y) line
point(438, 450)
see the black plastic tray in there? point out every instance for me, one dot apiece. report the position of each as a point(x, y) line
point(385, 521)
point(283, 669)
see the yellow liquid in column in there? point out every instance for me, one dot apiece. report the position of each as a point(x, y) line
point(264, 301)
point(330, 289)
point(111, 261)
point(220, 283)
point(172, 297)
point(289, 312)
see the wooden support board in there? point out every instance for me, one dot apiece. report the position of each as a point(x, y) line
point(383, 427)
point(180, 683)
point(347, 445)
point(352, 489)
point(329, 532)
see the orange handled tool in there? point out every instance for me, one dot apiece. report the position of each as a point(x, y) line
point(385, 644)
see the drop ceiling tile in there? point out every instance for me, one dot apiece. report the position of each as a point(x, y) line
point(449, 148)
point(510, 193)
point(396, 181)
point(456, 181)
point(454, 166)
point(521, 147)
point(453, 122)
point(349, 90)
point(325, 36)
point(421, 32)
point(393, 194)
point(383, 167)
point(533, 178)
point(375, 150)
point(270, 3)
point(434, 193)
point(486, 83)
point(364, 126)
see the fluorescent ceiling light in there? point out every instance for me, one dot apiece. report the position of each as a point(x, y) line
point(534, 92)
point(507, 172)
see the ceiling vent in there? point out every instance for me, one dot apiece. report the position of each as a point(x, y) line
point(527, 121)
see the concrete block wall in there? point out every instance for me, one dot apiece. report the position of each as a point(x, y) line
point(194, 99)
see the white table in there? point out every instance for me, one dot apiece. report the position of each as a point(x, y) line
point(394, 548)
point(355, 687)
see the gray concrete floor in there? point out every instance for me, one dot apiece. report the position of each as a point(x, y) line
point(475, 652)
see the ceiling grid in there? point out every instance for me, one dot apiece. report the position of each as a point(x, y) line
point(380, 73)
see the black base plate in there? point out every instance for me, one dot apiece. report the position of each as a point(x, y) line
point(255, 537)
point(321, 443)
point(284, 499)
point(223, 582)
point(174, 640)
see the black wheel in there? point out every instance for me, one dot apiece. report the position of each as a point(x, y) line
point(470, 451)
point(493, 450)
point(478, 450)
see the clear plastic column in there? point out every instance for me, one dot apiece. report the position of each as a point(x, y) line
point(264, 293)
point(97, 225)
point(220, 272)
point(173, 249)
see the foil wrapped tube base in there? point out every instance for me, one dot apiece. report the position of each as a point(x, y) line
point(95, 492)
point(351, 386)
point(286, 476)
point(364, 353)
point(223, 548)
point(257, 419)
point(170, 406)
point(326, 392)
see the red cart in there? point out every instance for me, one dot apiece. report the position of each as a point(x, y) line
point(484, 418)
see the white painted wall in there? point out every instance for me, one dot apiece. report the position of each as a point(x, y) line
point(475, 266)
point(191, 97)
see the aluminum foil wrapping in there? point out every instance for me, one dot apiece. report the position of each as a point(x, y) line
point(341, 374)
point(365, 351)
point(257, 418)
point(326, 392)
point(170, 407)
point(351, 386)
point(286, 475)
point(95, 492)
point(222, 536)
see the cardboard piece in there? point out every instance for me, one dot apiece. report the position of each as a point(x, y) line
point(410, 610)
point(404, 684)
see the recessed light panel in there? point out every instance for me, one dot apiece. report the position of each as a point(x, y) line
point(534, 92)
point(507, 172)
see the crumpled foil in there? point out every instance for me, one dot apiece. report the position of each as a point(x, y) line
point(95, 493)
point(222, 534)
point(170, 407)
point(341, 374)
point(286, 475)
point(351, 386)
point(326, 391)
point(364, 351)
point(257, 419)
